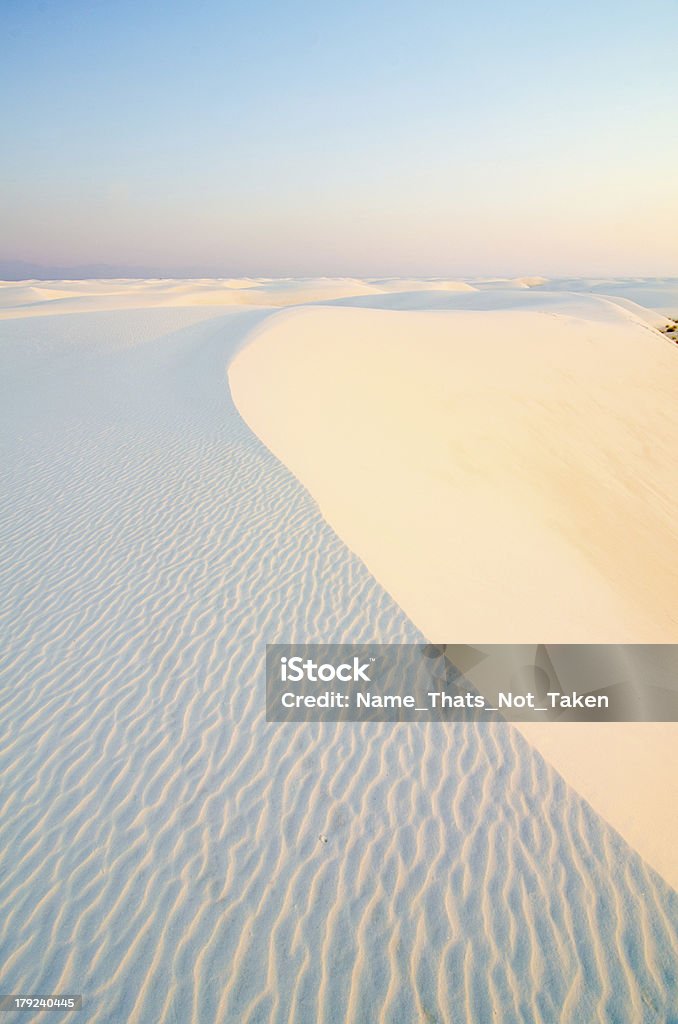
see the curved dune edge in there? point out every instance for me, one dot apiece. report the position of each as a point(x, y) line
point(626, 771)
point(507, 477)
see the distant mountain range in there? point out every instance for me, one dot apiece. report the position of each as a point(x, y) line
point(22, 270)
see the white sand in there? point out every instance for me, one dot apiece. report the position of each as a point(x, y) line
point(509, 477)
point(159, 845)
point(46, 298)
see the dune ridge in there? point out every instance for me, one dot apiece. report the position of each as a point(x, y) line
point(508, 477)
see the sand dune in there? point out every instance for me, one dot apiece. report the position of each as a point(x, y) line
point(400, 284)
point(660, 294)
point(159, 846)
point(583, 306)
point(509, 478)
point(529, 456)
point(48, 298)
point(45, 298)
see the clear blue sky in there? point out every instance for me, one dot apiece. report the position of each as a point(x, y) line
point(358, 138)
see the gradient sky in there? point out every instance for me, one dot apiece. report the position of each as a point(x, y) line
point(299, 138)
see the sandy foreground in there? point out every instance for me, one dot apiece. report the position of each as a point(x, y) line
point(474, 461)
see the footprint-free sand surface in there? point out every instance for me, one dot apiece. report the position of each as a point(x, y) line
point(159, 841)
